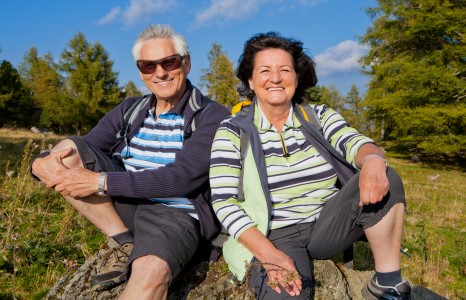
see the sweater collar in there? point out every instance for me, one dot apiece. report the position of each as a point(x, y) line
point(181, 106)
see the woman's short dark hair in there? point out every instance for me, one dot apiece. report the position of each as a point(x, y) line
point(303, 63)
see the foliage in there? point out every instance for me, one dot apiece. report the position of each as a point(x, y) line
point(354, 111)
point(40, 234)
point(41, 76)
point(130, 89)
point(32, 260)
point(331, 97)
point(92, 84)
point(417, 65)
point(220, 79)
point(73, 94)
point(16, 105)
point(434, 227)
point(350, 107)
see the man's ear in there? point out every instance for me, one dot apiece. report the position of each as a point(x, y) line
point(186, 65)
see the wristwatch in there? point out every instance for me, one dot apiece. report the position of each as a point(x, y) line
point(101, 183)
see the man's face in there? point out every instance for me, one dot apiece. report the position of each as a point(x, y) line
point(165, 85)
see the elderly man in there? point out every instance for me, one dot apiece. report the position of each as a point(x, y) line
point(141, 174)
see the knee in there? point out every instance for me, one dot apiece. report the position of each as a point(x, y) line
point(72, 160)
point(394, 178)
point(151, 271)
point(396, 184)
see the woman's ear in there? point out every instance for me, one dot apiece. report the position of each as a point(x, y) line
point(251, 84)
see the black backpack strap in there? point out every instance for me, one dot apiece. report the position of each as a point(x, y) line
point(130, 115)
point(191, 125)
point(128, 118)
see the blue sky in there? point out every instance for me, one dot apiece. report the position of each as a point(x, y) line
point(329, 30)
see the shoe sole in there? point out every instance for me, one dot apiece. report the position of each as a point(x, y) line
point(107, 285)
point(367, 295)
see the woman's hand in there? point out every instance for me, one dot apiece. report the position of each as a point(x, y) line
point(280, 268)
point(373, 181)
point(281, 271)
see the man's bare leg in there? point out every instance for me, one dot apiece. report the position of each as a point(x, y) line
point(149, 279)
point(97, 209)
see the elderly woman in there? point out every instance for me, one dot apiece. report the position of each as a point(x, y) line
point(297, 193)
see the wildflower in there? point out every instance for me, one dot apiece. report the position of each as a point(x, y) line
point(434, 177)
point(70, 264)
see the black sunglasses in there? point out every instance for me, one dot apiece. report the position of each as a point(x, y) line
point(169, 63)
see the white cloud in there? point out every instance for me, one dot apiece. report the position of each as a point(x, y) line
point(110, 16)
point(143, 8)
point(340, 58)
point(137, 10)
point(224, 10)
point(221, 11)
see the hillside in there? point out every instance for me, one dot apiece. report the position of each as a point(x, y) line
point(42, 238)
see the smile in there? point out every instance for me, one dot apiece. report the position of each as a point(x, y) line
point(163, 82)
point(275, 89)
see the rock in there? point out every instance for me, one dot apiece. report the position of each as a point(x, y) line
point(211, 281)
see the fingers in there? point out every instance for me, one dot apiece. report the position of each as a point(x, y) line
point(373, 192)
point(289, 280)
point(373, 186)
point(292, 285)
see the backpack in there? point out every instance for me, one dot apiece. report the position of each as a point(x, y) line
point(131, 114)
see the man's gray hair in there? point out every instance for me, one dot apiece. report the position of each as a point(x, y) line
point(160, 31)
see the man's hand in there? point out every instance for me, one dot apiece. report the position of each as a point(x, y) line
point(373, 181)
point(78, 183)
point(50, 169)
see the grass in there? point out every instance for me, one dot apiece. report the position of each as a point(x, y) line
point(435, 227)
point(40, 234)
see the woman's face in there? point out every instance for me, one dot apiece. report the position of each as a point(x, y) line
point(274, 79)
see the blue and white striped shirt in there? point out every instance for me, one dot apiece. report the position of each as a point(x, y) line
point(154, 146)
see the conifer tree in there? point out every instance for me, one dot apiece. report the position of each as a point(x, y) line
point(92, 84)
point(220, 79)
point(417, 64)
point(16, 105)
point(41, 76)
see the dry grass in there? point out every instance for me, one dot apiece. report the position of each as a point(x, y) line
point(13, 141)
point(435, 227)
point(31, 260)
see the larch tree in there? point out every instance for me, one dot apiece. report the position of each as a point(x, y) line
point(130, 89)
point(331, 97)
point(91, 82)
point(41, 76)
point(417, 66)
point(220, 79)
point(354, 111)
